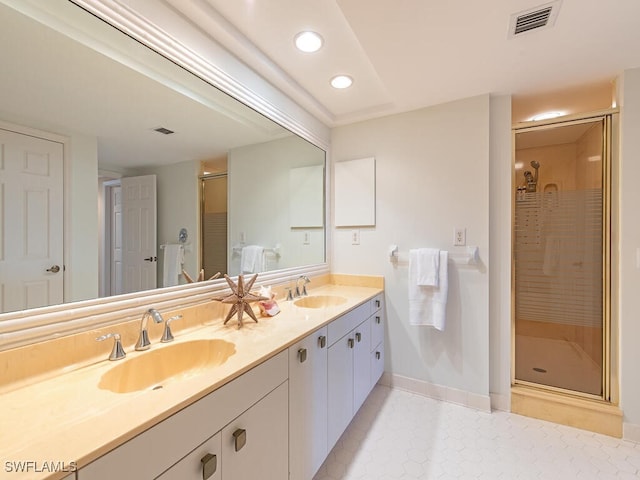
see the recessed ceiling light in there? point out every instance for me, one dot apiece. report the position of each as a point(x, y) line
point(547, 116)
point(341, 81)
point(308, 42)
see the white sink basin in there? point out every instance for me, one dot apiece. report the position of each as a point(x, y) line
point(154, 368)
point(320, 301)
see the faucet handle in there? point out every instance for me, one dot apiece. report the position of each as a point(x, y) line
point(289, 295)
point(167, 336)
point(117, 352)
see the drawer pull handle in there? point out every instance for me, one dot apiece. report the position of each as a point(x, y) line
point(209, 465)
point(302, 354)
point(240, 438)
point(358, 337)
point(377, 320)
point(377, 355)
point(350, 342)
point(377, 303)
point(322, 341)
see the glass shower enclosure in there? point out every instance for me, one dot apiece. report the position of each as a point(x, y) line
point(560, 256)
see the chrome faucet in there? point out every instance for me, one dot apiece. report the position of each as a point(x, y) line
point(303, 292)
point(117, 352)
point(143, 340)
point(167, 336)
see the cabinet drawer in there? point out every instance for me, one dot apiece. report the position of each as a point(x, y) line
point(377, 328)
point(376, 303)
point(192, 467)
point(347, 322)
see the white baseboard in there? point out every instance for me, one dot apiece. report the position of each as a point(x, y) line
point(438, 392)
point(631, 432)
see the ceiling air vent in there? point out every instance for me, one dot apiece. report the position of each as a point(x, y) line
point(543, 16)
point(164, 131)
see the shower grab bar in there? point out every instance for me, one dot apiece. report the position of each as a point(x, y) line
point(470, 257)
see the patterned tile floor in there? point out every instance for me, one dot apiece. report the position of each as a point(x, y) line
point(399, 435)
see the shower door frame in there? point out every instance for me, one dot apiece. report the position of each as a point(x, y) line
point(609, 119)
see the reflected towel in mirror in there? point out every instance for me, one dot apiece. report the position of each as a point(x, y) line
point(252, 259)
point(172, 264)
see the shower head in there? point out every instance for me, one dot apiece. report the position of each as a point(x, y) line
point(535, 164)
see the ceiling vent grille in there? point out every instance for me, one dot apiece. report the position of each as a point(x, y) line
point(543, 16)
point(163, 130)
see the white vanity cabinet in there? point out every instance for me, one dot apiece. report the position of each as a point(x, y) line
point(174, 443)
point(308, 405)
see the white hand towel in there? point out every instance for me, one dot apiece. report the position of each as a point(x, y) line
point(252, 259)
point(427, 265)
point(428, 304)
point(172, 264)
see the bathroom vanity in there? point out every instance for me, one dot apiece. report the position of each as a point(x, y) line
point(272, 408)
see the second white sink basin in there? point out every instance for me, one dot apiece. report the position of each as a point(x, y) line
point(320, 301)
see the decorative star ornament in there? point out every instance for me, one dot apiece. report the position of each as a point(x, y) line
point(240, 298)
point(200, 277)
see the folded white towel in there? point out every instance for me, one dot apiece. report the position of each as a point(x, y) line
point(428, 304)
point(172, 264)
point(252, 259)
point(427, 262)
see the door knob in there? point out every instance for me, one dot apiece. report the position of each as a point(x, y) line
point(54, 269)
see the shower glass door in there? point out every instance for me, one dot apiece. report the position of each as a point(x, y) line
point(560, 251)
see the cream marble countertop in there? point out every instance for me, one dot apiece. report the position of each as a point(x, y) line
point(68, 418)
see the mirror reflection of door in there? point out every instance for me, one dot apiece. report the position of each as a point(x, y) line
point(31, 222)
point(130, 235)
point(214, 224)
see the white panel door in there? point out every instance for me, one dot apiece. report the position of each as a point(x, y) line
point(139, 256)
point(116, 287)
point(31, 222)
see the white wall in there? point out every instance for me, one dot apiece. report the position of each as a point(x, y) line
point(258, 203)
point(500, 205)
point(82, 233)
point(432, 175)
point(629, 273)
point(178, 206)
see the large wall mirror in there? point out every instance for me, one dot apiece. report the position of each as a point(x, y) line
point(114, 166)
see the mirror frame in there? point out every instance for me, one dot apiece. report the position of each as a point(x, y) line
point(35, 325)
